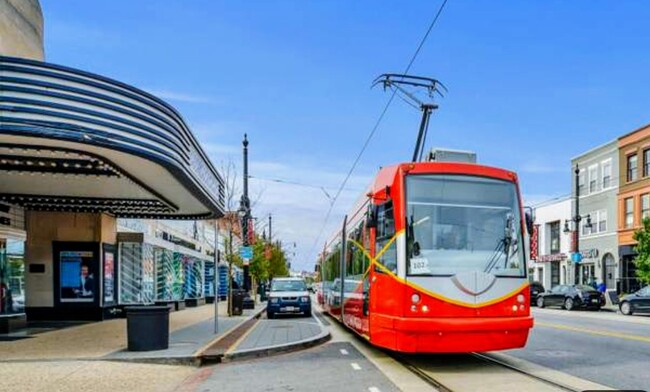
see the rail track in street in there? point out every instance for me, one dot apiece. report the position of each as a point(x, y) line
point(477, 372)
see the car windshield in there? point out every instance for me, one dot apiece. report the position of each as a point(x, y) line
point(288, 285)
point(463, 223)
point(583, 287)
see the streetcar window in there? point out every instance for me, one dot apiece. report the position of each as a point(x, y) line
point(462, 223)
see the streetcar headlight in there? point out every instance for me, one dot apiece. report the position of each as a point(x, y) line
point(514, 308)
point(414, 308)
point(425, 308)
point(415, 298)
point(521, 298)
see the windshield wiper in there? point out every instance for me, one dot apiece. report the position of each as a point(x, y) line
point(504, 245)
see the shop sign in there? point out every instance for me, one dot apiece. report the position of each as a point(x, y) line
point(590, 253)
point(534, 243)
point(553, 257)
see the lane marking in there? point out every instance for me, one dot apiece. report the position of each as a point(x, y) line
point(344, 351)
point(373, 389)
point(355, 366)
point(610, 334)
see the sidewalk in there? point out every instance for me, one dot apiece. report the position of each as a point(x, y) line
point(190, 330)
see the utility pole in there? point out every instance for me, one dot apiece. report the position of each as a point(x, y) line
point(270, 229)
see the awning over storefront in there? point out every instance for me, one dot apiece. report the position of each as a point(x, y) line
point(74, 141)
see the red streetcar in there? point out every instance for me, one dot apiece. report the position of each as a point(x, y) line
point(432, 259)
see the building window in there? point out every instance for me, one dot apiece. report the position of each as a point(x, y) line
point(646, 162)
point(607, 174)
point(629, 212)
point(593, 179)
point(586, 230)
point(602, 221)
point(631, 168)
point(645, 205)
point(555, 237)
point(581, 182)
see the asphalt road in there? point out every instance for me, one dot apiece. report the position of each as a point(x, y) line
point(603, 347)
point(336, 366)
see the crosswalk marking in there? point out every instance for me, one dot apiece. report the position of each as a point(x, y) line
point(344, 351)
point(355, 366)
point(373, 389)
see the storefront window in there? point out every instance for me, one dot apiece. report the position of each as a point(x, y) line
point(12, 276)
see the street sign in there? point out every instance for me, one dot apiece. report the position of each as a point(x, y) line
point(576, 257)
point(246, 252)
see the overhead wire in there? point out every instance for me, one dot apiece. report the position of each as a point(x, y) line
point(375, 127)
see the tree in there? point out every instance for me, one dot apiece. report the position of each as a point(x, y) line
point(642, 261)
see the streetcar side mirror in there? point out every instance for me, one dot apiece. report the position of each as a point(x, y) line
point(528, 214)
point(371, 220)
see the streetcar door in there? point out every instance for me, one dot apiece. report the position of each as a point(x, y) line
point(384, 289)
point(356, 280)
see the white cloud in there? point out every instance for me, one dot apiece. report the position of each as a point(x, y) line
point(299, 208)
point(532, 200)
point(541, 168)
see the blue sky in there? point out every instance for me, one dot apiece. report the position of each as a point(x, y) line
point(531, 84)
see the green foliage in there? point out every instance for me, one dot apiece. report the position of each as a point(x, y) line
point(264, 268)
point(642, 261)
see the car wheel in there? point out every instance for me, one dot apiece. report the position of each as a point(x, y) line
point(626, 308)
point(540, 302)
point(270, 315)
point(568, 304)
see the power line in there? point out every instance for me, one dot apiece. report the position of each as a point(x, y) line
point(374, 129)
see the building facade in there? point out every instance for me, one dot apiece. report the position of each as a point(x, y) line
point(633, 199)
point(550, 245)
point(598, 187)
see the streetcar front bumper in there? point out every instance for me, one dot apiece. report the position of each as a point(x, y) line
point(446, 334)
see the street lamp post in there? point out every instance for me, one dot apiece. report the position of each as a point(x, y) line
point(245, 212)
point(576, 256)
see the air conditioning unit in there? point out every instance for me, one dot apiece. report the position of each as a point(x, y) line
point(447, 155)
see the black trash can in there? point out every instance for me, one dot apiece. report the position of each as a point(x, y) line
point(238, 302)
point(147, 328)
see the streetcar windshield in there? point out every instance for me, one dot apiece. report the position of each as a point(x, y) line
point(460, 223)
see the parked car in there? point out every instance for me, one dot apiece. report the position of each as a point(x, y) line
point(288, 296)
point(571, 297)
point(536, 288)
point(638, 302)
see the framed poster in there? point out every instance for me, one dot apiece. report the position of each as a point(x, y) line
point(109, 277)
point(77, 276)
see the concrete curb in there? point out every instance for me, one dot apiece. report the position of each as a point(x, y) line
point(321, 338)
point(196, 359)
